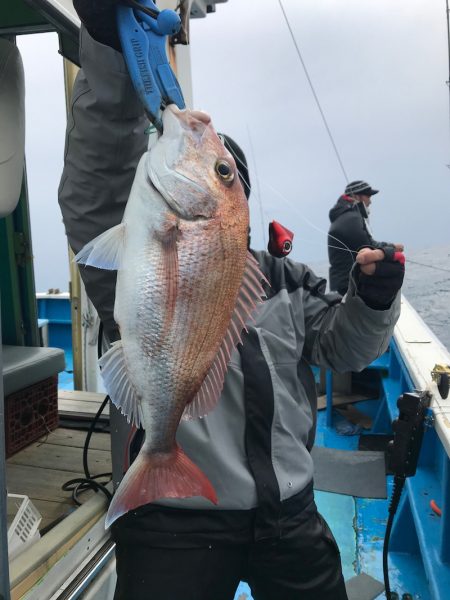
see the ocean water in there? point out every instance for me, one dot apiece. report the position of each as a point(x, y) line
point(426, 287)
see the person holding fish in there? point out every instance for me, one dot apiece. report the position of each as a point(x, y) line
point(211, 344)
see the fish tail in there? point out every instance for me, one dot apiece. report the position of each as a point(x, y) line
point(156, 476)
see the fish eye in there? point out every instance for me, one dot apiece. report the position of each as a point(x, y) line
point(224, 170)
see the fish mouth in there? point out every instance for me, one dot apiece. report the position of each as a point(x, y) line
point(162, 173)
point(189, 119)
point(171, 202)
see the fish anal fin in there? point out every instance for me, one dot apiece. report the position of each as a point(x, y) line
point(152, 477)
point(114, 373)
point(249, 297)
point(104, 251)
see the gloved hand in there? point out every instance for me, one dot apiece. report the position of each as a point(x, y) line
point(378, 275)
point(99, 18)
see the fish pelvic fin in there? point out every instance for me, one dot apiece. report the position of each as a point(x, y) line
point(104, 251)
point(114, 373)
point(250, 295)
point(155, 476)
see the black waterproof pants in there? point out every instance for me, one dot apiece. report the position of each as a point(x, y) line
point(169, 554)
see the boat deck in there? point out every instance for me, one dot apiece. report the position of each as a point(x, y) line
point(358, 523)
point(40, 470)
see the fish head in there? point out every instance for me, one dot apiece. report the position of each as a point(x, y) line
point(191, 168)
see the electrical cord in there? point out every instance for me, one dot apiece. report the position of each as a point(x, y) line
point(89, 482)
point(399, 483)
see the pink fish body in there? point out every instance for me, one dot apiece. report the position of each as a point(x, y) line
point(186, 285)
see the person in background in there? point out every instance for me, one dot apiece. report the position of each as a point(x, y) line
point(349, 233)
point(255, 446)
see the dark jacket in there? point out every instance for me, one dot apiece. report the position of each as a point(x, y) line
point(347, 234)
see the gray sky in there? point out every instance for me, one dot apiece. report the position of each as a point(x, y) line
point(379, 69)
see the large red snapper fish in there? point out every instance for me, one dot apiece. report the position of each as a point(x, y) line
point(186, 285)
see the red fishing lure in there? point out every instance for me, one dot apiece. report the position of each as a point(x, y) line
point(280, 240)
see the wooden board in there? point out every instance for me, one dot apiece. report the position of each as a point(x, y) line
point(355, 416)
point(339, 399)
point(76, 438)
point(66, 458)
point(52, 511)
point(95, 397)
point(36, 483)
point(40, 470)
point(83, 404)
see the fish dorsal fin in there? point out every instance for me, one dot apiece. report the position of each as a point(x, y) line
point(114, 373)
point(104, 251)
point(250, 295)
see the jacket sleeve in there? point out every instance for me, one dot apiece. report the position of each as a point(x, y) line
point(352, 232)
point(344, 336)
point(104, 140)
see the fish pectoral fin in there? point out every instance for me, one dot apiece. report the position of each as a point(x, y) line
point(249, 297)
point(104, 251)
point(151, 477)
point(114, 373)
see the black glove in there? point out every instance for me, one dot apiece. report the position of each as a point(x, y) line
point(379, 290)
point(99, 18)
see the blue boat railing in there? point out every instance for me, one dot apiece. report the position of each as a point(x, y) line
point(422, 523)
point(54, 319)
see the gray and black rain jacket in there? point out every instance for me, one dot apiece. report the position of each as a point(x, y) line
point(254, 447)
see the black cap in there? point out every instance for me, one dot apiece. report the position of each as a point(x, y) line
point(241, 161)
point(360, 187)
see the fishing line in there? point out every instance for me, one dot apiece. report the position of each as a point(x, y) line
point(307, 221)
point(258, 191)
point(302, 216)
point(415, 262)
point(323, 114)
point(316, 98)
point(296, 210)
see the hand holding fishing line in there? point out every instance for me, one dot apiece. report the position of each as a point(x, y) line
point(379, 274)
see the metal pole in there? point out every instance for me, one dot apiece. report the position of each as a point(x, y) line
point(4, 563)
